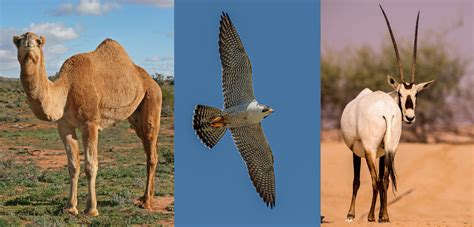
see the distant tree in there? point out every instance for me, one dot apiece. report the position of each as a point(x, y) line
point(167, 89)
point(159, 78)
point(170, 80)
point(344, 74)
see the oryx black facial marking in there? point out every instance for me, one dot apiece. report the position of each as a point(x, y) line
point(409, 103)
point(408, 85)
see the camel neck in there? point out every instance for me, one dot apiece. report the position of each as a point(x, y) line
point(34, 80)
point(46, 99)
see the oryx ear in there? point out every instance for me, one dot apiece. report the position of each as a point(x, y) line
point(421, 86)
point(16, 40)
point(392, 82)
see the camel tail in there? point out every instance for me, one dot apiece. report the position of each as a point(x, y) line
point(209, 135)
point(390, 153)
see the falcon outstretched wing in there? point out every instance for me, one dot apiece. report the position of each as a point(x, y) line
point(236, 67)
point(257, 154)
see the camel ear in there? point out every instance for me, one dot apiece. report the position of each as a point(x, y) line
point(16, 40)
point(392, 82)
point(42, 40)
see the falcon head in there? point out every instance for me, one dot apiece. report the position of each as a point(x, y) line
point(266, 110)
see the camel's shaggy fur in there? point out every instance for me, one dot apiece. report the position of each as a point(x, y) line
point(94, 90)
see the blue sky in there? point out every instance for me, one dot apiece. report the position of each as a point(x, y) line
point(144, 27)
point(282, 39)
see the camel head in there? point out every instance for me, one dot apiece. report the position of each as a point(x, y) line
point(30, 47)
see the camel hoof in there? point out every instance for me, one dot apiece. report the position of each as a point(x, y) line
point(371, 219)
point(71, 210)
point(93, 212)
point(147, 205)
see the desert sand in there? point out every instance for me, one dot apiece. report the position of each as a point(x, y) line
point(435, 186)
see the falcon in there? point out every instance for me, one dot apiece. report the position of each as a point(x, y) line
point(242, 114)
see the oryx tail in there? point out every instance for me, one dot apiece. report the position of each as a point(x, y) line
point(390, 151)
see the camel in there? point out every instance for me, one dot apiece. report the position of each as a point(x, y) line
point(94, 91)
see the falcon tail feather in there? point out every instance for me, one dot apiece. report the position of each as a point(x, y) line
point(203, 116)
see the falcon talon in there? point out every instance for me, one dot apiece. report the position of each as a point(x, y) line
point(242, 114)
point(217, 124)
point(216, 120)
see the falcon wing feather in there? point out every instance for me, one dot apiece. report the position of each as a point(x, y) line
point(236, 67)
point(257, 154)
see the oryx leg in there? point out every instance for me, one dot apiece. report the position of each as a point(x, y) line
point(370, 156)
point(69, 138)
point(355, 186)
point(90, 136)
point(381, 180)
point(385, 180)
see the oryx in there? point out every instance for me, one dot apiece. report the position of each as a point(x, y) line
point(371, 126)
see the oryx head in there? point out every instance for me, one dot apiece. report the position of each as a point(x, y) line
point(407, 91)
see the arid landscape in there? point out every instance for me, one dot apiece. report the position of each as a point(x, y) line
point(435, 186)
point(34, 182)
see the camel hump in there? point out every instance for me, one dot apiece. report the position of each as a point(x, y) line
point(107, 41)
point(110, 45)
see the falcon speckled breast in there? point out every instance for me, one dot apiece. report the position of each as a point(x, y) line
point(242, 113)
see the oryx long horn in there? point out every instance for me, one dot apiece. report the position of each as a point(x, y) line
point(413, 66)
point(394, 44)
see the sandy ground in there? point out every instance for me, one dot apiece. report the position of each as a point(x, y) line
point(435, 186)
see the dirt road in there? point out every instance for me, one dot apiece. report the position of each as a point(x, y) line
point(435, 186)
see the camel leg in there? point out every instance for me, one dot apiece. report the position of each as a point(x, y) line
point(90, 135)
point(355, 187)
point(370, 157)
point(146, 122)
point(69, 138)
point(383, 216)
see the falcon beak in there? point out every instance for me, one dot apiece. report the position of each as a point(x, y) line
point(271, 110)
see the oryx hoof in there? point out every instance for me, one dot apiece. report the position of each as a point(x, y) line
point(371, 219)
point(350, 218)
point(384, 220)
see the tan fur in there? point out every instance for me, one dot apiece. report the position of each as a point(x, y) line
point(94, 91)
